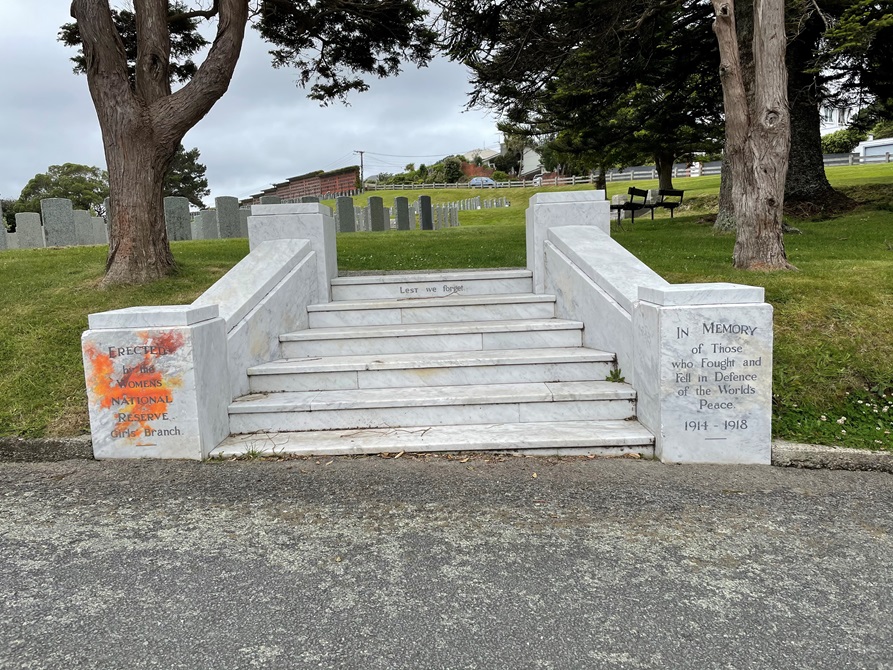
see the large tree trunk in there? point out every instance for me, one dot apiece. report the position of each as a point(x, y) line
point(757, 134)
point(806, 180)
point(143, 122)
point(663, 161)
point(139, 251)
point(725, 218)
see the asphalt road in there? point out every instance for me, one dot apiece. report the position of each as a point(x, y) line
point(429, 563)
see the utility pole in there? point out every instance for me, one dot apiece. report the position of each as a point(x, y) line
point(362, 183)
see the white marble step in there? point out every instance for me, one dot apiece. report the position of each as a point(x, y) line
point(426, 285)
point(447, 309)
point(432, 337)
point(432, 405)
point(593, 437)
point(431, 369)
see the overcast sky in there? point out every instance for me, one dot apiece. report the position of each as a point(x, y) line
point(262, 131)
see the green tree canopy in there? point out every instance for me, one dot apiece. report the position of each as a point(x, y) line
point(87, 187)
point(623, 80)
point(132, 57)
point(186, 177)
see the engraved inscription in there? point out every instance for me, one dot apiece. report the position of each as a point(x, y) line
point(721, 366)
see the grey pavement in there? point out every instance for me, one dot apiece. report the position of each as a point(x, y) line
point(494, 562)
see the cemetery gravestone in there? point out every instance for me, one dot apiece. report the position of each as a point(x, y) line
point(270, 200)
point(177, 219)
point(210, 229)
point(227, 208)
point(99, 231)
point(195, 228)
point(310, 198)
point(12, 241)
point(30, 233)
point(57, 215)
point(83, 228)
point(427, 221)
point(401, 205)
point(376, 213)
point(344, 211)
point(244, 213)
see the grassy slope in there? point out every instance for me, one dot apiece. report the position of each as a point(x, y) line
point(831, 317)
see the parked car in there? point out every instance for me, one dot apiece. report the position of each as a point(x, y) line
point(482, 182)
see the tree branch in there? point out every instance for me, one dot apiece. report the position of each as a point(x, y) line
point(175, 114)
point(197, 14)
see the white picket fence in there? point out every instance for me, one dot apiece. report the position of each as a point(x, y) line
point(695, 170)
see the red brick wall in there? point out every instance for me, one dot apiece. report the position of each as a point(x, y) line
point(338, 181)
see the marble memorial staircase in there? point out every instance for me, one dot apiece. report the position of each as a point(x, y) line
point(436, 362)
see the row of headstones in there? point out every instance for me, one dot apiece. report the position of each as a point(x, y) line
point(479, 203)
point(60, 225)
point(403, 216)
point(57, 225)
point(226, 220)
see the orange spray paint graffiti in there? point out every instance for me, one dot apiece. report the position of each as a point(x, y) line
point(136, 391)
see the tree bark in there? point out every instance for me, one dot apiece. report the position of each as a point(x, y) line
point(725, 218)
point(757, 134)
point(663, 161)
point(806, 185)
point(142, 124)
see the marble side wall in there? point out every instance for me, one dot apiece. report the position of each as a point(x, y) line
point(698, 355)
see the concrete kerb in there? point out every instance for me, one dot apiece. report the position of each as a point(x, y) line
point(784, 454)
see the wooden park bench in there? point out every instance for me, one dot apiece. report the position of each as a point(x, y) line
point(637, 201)
point(668, 198)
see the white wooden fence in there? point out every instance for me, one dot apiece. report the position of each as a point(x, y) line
point(695, 170)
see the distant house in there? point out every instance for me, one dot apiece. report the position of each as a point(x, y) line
point(486, 156)
point(835, 118)
point(531, 163)
point(872, 147)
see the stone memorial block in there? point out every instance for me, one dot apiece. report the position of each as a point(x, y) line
point(401, 207)
point(12, 240)
point(196, 232)
point(270, 200)
point(387, 217)
point(455, 219)
point(210, 228)
point(177, 218)
point(310, 198)
point(155, 384)
point(83, 228)
point(346, 214)
point(244, 213)
point(227, 208)
point(425, 216)
point(99, 230)
point(705, 384)
point(57, 215)
point(30, 234)
point(4, 244)
point(376, 213)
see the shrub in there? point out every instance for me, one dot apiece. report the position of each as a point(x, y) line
point(883, 129)
point(841, 141)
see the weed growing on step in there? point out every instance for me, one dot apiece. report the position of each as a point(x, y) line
point(616, 376)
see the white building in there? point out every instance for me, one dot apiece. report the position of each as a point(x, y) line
point(835, 118)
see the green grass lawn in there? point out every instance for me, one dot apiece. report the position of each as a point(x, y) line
point(833, 374)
